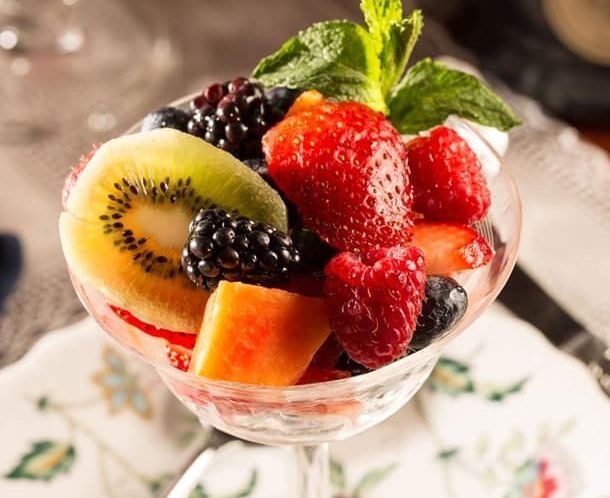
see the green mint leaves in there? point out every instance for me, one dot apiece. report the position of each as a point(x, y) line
point(430, 92)
point(336, 58)
point(345, 61)
point(392, 36)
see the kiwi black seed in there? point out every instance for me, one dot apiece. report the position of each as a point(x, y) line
point(125, 238)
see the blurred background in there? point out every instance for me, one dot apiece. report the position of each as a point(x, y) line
point(77, 72)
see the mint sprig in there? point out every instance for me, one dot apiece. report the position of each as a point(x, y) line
point(336, 58)
point(430, 92)
point(345, 61)
point(393, 37)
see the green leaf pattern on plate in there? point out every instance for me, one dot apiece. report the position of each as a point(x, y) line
point(454, 377)
point(44, 461)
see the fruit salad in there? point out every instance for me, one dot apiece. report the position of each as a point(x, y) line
point(308, 223)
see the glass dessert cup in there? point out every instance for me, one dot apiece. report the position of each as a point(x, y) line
point(308, 417)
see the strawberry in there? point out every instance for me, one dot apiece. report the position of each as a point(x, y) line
point(344, 166)
point(75, 173)
point(316, 374)
point(374, 302)
point(451, 247)
point(448, 183)
point(178, 356)
point(184, 339)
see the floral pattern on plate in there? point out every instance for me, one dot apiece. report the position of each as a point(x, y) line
point(503, 415)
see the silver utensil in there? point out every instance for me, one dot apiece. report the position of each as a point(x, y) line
point(526, 299)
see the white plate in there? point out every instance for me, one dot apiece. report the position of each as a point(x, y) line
point(504, 415)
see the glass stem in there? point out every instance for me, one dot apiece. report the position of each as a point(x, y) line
point(313, 471)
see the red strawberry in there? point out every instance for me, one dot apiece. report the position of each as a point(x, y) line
point(178, 356)
point(316, 374)
point(327, 356)
point(75, 173)
point(448, 183)
point(183, 339)
point(374, 303)
point(344, 166)
point(451, 247)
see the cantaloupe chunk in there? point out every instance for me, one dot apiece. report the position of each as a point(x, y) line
point(256, 335)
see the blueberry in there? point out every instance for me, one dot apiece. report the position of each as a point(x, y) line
point(445, 303)
point(349, 365)
point(281, 97)
point(259, 165)
point(166, 117)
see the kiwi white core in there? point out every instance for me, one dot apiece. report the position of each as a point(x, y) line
point(168, 226)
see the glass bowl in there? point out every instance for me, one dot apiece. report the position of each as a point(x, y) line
point(309, 416)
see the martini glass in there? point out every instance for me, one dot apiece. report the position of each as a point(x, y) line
point(308, 417)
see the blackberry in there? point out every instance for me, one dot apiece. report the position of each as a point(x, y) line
point(166, 117)
point(445, 303)
point(233, 116)
point(226, 246)
point(351, 366)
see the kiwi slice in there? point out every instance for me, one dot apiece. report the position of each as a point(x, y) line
point(127, 218)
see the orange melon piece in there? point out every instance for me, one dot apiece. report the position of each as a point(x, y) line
point(307, 99)
point(256, 335)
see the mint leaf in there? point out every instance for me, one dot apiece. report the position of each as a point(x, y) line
point(380, 14)
point(431, 91)
point(393, 36)
point(337, 58)
point(401, 38)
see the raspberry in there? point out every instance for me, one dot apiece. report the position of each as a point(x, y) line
point(374, 302)
point(448, 183)
point(316, 374)
point(178, 356)
point(75, 173)
point(345, 167)
point(183, 339)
